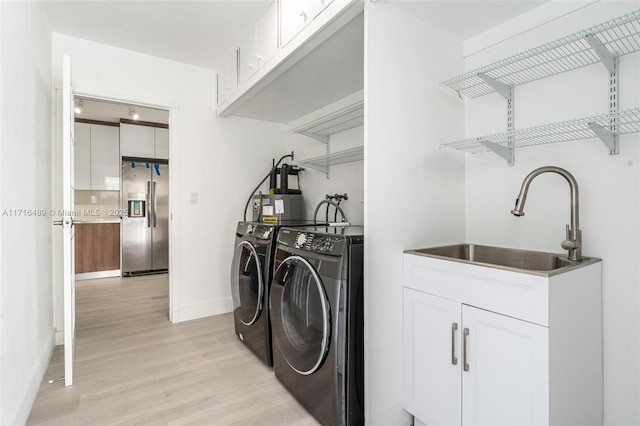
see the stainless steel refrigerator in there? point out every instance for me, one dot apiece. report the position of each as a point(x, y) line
point(145, 227)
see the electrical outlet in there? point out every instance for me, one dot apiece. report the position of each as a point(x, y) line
point(194, 198)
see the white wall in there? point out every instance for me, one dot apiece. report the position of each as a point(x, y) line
point(609, 189)
point(414, 191)
point(345, 178)
point(219, 158)
point(26, 309)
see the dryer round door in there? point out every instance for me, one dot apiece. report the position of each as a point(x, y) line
point(248, 288)
point(300, 314)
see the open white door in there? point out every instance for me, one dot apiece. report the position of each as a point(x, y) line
point(68, 231)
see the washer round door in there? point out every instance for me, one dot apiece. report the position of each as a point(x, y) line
point(248, 286)
point(301, 319)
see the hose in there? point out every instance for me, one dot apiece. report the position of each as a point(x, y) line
point(246, 206)
point(329, 203)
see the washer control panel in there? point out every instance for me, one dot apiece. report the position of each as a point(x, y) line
point(318, 243)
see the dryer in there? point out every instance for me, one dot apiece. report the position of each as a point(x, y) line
point(251, 272)
point(316, 306)
point(249, 286)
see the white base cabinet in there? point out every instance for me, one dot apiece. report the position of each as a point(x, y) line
point(467, 365)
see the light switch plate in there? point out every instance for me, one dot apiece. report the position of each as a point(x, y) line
point(194, 198)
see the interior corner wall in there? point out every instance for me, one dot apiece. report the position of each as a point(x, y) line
point(26, 300)
point(609, 189)
point(220, 158)
point(414, 191)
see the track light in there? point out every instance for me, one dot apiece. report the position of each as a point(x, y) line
point(78, 106)
point(133, 114)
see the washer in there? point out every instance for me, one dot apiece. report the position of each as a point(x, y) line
point(251, 273)
point(316, 306)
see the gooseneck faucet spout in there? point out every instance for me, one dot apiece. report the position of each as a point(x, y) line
point(573, 241)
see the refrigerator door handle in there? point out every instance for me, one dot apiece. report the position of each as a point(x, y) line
point(155, 205)
point(149, 199)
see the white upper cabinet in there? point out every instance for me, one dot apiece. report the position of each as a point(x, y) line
point(82, 156)
point(144, 141)
point(161, 143)
point(137, 141)
point(228, 77)
point(260, 44)
point(297, 14)
point(105, 158)
point(96, 157)
point(274, 58)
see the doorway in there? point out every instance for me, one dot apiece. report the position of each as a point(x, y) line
point(110, 135)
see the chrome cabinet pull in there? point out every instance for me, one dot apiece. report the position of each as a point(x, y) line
point(464, 349)
point(454, 327)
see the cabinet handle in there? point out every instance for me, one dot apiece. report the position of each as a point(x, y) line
point(454, 327)
point(303, 15)
point(464, 349)
point(149, 200)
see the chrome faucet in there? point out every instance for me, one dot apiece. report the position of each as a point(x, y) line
point(573, 242)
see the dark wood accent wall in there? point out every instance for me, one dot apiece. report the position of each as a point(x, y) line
point(97, 247)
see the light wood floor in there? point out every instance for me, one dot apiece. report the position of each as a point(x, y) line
point(134, 367)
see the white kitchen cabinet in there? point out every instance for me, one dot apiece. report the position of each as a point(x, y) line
point(82, 156)
point(297, 14)
point(491, 346)
point(105, 158)
point(96, 157)
point(228, 77)
point(137, 141)
point(144, 141)
point(161, 138)
point(259, 45)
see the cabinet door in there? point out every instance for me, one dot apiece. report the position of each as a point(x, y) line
point(432, 336)
point(297, 14)
point(228, 77)
point(247, 56)
point(294, 16)
point(137, 141)
point(162, 143)
point(508, 369)
point(82, 156)
point(105, 158)
point(267, 35)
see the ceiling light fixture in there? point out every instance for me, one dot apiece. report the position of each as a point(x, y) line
point(133, 114)
point(78, 106)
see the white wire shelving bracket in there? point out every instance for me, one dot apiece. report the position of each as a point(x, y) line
point(598, 126)
point(599, 43)
point(324, 162)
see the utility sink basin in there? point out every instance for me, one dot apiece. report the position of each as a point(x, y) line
point(505, 258)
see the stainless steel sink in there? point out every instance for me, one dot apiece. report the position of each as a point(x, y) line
point(504, 258)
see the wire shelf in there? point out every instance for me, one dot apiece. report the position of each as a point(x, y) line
point(323, 162)
point(623, 122)
point(619, 36)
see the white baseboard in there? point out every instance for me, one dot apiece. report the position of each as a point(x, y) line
point(33, 386)
point(59, 338)
point(98, 274)
point(203, 309)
